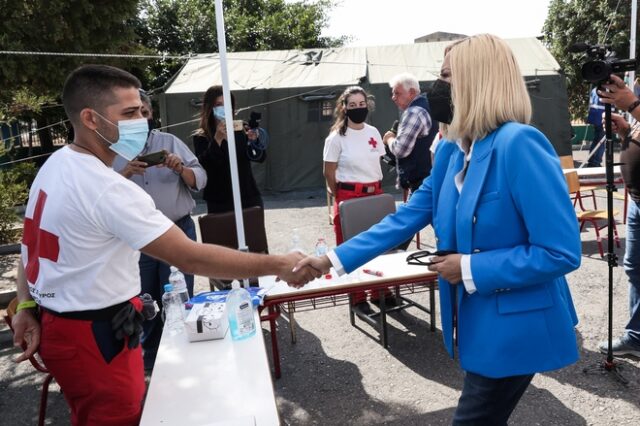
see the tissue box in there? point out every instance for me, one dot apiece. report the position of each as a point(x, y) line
point(206, 321)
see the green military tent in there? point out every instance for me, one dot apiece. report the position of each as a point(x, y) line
point(296, 90)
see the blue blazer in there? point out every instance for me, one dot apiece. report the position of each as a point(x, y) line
point(514, 217)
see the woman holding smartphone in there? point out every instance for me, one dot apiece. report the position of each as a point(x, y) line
point(212, 150)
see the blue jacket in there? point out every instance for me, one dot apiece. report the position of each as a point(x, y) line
point(515, 218)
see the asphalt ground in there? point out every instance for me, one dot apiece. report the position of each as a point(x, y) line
point(337, 374)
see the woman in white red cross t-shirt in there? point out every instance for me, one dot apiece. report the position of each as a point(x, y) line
point(351, 156)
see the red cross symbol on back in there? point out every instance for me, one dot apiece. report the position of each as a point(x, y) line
point(373, 142)
point(40, 243)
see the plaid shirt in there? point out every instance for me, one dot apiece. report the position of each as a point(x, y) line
point(415, 122)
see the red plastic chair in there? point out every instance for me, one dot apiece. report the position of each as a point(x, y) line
point(37, 364)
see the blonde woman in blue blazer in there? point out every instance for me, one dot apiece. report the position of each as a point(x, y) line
point(496, 197)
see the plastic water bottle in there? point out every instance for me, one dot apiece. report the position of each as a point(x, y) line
point(179, 284)
point(172, 310)
point(240, 312)
point(321, 247)
point(296, 245)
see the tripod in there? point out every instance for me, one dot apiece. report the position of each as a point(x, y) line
point(609, 365)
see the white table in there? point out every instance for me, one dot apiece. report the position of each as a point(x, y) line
point(595, 175)
point(395, 272)
point(214, 382)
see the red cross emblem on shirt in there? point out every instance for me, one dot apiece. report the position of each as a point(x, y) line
point(40, 243)
point(373, 142)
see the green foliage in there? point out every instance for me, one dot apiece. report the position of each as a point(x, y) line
point(590, 21)
point(177, 27)
point(173, 27)
point(14, 190)
point(61, 26)
point(24, 104)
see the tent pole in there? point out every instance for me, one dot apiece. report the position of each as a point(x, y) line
point(231, 140)
point(632, 40)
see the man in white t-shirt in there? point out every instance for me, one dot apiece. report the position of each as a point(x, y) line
point(83, 227)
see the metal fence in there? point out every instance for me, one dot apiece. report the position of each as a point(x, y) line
point(29, 133)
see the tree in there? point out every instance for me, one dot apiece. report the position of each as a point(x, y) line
point(590, 21)
point(78, 26)
point(32, 83)
point(181, 27)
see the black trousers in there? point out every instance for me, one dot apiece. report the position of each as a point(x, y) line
point(487, 401)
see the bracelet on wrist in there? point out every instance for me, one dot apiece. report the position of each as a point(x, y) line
point(27, 304)
point(634, 105)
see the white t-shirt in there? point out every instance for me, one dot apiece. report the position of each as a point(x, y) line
point(357, 153)
point(435, 143)
point(86, 223)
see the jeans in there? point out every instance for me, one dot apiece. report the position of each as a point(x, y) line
point(632, 269)
point(596, 159)
point(154, 274)
point(487, 401)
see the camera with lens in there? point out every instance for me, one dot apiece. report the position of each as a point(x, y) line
point(254, 120)
point(603, 63)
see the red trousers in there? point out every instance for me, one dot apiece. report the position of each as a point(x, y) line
point(101, 379)
point(343, 195)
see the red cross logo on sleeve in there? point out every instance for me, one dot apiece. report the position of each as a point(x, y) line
point(373, 142)
point(40, 243)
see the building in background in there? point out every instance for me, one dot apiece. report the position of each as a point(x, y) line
point(438, 36)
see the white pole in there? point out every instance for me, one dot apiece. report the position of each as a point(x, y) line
point(632, 40)
point(228, 117)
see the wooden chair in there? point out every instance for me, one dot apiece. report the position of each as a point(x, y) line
point(358, 215)
point(36, 362)
point(594, 217)
point(584, 191)
point(220, 229)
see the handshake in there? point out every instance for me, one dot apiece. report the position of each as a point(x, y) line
point(298, 269)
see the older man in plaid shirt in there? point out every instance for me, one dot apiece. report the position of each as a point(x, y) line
point(410, 146)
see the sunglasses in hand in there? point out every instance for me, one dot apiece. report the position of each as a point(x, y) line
point(425, 257)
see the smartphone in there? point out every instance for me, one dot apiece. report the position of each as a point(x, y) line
point(238, 125)
point(154, 158)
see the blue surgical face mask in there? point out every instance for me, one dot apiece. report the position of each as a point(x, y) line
point(132, 137)
point(218, 112)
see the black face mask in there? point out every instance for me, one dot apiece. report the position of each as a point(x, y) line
point(440, 102)
point(357, 115)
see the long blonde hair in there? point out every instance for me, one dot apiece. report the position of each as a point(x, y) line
point(487, 88)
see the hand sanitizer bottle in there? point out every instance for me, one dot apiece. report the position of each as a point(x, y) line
point(240, 312)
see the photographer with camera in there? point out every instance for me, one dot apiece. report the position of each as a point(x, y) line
point(167, 170)
point(211, 147)
point(616, 93)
